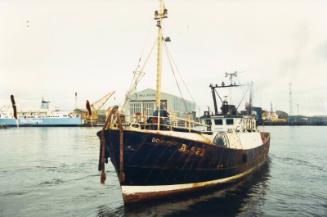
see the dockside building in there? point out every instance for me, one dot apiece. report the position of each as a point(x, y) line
point(144, 103)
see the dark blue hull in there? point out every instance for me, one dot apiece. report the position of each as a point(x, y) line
point(150, 159)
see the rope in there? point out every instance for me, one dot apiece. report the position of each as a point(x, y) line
point(243, 97)
point(102, 158)
point(145, 40)
point(180, 74)
point(173, 71)
point(102, 155)
point(137, 78)
point(121, 149)
point(148, 56)
point(216, 91)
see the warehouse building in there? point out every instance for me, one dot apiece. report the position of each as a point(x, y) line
point(144, 102)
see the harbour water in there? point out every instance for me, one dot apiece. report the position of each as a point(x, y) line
point(53, 172)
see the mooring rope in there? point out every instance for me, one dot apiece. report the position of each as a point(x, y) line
point(102, 155)
point(102, 158)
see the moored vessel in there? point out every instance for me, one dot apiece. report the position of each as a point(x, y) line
point(44, 117)
point(158, 156)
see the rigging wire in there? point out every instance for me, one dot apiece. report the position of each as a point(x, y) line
point(243, 97)
point(144, 45)
point(243, 91)
point(180, 74)
point(147, 58)
point(173, 71)
point(216, 91)
point(138, 75)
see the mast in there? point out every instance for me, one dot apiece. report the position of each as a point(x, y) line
point(251, 98)
point(214, 98)
point(159, 16)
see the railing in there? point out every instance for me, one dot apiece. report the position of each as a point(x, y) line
point(146, 122)
point(173, 122)
point(166, 123)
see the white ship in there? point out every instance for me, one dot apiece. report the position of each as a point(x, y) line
point(45, 117)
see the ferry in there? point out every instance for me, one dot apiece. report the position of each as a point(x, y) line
point(45, 117)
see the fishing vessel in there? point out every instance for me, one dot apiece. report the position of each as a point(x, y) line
point(44, 117)
point(160, 156)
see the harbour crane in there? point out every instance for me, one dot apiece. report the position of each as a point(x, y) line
point(92, 115)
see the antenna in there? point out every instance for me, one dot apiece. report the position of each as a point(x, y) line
point(76, 100)
point(230, 77)
point(231, 82)
point(290, 99)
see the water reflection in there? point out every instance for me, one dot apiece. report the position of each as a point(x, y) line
point(238, 199)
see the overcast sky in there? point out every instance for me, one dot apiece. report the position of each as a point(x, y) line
point(54, 48)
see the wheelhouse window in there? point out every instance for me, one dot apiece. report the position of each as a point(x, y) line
point(218, 122)
point(230, 121)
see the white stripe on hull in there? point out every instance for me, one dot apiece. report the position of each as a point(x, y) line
point(129, 191)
